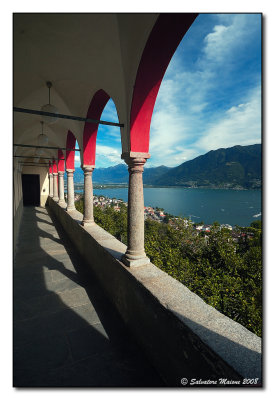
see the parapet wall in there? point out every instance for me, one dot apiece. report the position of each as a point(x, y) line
point(181, 335)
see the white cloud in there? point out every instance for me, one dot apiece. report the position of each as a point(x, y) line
point(229, 37)
point(241, 124)
point(177, 115)
point(214, 41)
point(109, 154)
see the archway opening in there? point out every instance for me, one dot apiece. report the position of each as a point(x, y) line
point(108, 143)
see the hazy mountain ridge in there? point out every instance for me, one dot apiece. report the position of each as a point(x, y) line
point(238, 166)
point(119, 174)
point(230, 167)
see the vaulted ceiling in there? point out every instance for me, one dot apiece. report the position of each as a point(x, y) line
point(79, 54)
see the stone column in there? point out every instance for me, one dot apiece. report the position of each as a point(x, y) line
point(70, 188)
point(51, 185)
point(135, 254)
point(61, 187)
point(88, 217)
point(55, 186)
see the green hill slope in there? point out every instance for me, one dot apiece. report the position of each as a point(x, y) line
point(238, 166)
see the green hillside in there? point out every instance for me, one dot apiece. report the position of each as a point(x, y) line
point(232, 167)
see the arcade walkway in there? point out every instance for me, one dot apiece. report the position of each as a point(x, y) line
point(66, 333)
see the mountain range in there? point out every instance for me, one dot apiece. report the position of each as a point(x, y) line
point(233, 167)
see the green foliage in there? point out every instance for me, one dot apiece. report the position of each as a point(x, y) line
point(112, 221)
point(256, 224)
point(79, 205)
point(227, 274)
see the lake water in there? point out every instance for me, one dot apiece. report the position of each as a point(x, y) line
point(234, 207)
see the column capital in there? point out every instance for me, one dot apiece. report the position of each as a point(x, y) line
point(135, 161)
point(88, 169)
point(134, 154)
point(70, 172)
point(55, 173)
point(135, 165)
point(61, 173)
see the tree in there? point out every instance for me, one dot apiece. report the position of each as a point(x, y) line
point(256, 224)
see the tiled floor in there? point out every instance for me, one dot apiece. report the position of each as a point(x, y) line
point(66, 333)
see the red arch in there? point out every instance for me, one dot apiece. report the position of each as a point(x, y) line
point(61, 160)
point(54, 167)
point(165, 37)
point(50, 168)
point(70, 144)
point(96, 107)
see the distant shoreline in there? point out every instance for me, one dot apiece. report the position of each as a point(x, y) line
point(79, 186)
point(208, 205)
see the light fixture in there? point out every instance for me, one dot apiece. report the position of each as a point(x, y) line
point(42, 138)
point(49, 108)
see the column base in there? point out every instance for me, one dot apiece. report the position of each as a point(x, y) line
point(56, 199)
point(138, 262)
point(70, 209)
point(62, 202)
point(88, 222)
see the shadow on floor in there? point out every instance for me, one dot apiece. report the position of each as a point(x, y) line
point(66, 332)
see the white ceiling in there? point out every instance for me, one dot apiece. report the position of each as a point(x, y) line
point(79, 54)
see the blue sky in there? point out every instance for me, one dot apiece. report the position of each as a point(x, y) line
point(210, 96)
